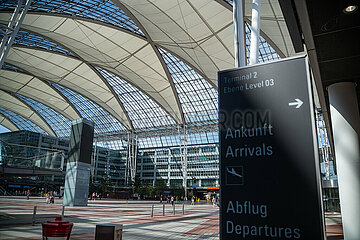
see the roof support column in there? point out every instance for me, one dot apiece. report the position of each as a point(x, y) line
point(8, 41)
point(239, 36)
point(255, 32)
point(183, 154)
point(131, 160)
point(346, 128)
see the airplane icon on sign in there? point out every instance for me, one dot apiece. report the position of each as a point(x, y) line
point(233, 172)
point(234, 175)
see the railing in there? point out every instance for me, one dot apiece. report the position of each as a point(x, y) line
point(20, 156)
point(3, 191)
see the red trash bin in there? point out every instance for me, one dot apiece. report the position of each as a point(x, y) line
point(57, 229)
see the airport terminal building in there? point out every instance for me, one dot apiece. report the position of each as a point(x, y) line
point(141, 92)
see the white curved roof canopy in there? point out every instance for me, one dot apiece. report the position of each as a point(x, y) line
point(121, 52)
point(7, 123)
point(69, 72)
point(198, 31)
point(12, 103)
point(201, 32)
point(174, 36)
point(32, 87)
point(273, 26)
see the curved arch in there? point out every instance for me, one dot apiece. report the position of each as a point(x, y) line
point(184, 32)
point(153, 45)
point(33, 87)
point(116, 96)
point(200, 32)
point(129, 56)
point(192, 66)
point(59, 124)
point(12, 103)
point(104, 121)
point(73, 55)
point(148, 114)
point(8, 123)
point(70, 72)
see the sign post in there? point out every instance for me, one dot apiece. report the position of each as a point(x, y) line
point(269, 169)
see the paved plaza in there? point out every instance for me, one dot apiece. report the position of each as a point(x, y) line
point(200, 221)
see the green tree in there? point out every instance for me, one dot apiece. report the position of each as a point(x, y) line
point(137, 185)
point(149, 190)
point(160, 186)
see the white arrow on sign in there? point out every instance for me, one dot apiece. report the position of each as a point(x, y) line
point(298, 103)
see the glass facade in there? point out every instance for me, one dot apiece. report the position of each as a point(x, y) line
point(99, 10)
point(21, 122)
point(104, 122)
point(146, 115)
point(166, 149)
point(57, 122)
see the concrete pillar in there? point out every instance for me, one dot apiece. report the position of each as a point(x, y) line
point(78, 166)
point(346, 128)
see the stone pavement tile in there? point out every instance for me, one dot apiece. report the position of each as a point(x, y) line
point(85, 236)
point(209, 227)
point(334, 231)
point(199, 222)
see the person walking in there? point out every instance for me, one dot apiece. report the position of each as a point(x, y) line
point(214, 201)
point(28, 194)
point(47, 198)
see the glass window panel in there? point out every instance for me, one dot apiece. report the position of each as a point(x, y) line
point(100, 10)
point(59, 124)
point(142, 110)
point(24, 38)
point(21, 122)
point(191, 87)
point(104, 122)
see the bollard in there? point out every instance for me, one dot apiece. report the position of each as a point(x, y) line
point(34, 214)
point(183, 208)
point(63, 211)
point(163, 209)
point(152, 210)
point(174, 209)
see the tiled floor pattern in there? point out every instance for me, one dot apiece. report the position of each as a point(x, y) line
point(199, 222)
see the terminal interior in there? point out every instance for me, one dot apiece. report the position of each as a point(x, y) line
point(142, 77)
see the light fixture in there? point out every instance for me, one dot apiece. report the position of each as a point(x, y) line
point(350, 9)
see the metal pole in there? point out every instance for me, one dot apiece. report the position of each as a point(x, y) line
point(93, 162)
point(34, 215)
point(255, 32)
point(163, 209)
point(185, 161)
point(10, 27)
point(152, 210)
point(239, 40)
point(135, 158)
point(183, 209)
point(127, 162)
point(15, 31)
point(174, 209)
point(63, 211)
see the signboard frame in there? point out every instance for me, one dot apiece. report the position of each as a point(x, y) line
point(271, 85)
